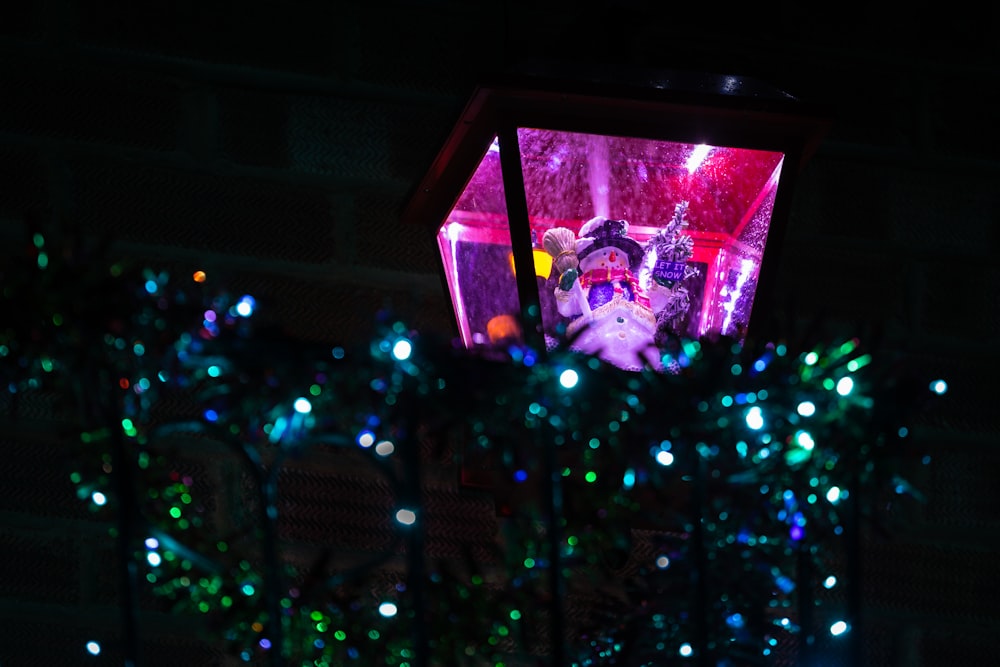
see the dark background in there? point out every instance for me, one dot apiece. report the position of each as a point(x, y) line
point(278, 143)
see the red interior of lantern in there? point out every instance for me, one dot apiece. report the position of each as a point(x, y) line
point(571, 177)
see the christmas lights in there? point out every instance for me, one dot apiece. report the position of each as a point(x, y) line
point(699, 514)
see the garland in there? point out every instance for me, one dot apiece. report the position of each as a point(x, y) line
point(708, 516)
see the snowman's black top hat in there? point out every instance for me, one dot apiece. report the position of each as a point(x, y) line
point(611, 234)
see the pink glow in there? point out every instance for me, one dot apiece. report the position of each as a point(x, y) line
point(569, 178)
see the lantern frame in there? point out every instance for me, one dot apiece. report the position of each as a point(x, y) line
point(683, 108)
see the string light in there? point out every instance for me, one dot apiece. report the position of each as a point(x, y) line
point(402, 349)
point(763, 433)
point(806, 408)
point(569, 378)
point(245, 306)
point(755, 418)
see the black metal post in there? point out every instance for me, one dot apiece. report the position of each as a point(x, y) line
point(267, 488)
point(128, 569)
point(552, 492)
point(268, 480)
point(527, 290)
point(852, 531)
point(103, 408)
point(520, 238)
point(415, 584)
point(701, 563)
point(805, 606)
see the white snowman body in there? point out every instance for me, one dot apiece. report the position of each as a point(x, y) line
point(613, 319)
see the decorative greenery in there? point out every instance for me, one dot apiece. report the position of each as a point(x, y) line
point(648, 517)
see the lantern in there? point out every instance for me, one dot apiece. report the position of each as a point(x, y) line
point(614, 214)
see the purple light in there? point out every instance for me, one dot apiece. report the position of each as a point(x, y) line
point(796, 533)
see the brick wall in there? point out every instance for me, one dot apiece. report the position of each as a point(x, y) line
point(277, 144)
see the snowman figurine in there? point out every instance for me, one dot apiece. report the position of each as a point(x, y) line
point(599, 290)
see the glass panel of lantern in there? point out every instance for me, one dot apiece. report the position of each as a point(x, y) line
point(634, 241)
